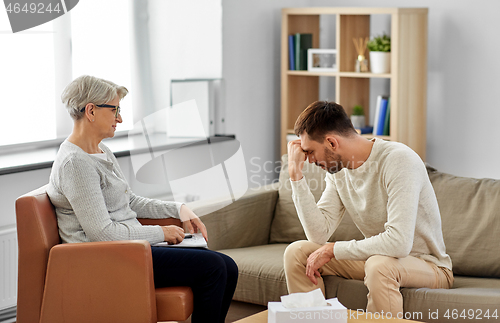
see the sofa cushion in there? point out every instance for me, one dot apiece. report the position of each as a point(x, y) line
point(470, 297)
point(351, 293)
point(261, 275)
point(286, 226)
point(243, 223)
point(468, 293)
point(470, 213)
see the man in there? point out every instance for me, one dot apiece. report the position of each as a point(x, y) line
point(384, 187)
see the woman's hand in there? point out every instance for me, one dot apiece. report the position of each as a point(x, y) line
point(192, 222)
point(173, 234)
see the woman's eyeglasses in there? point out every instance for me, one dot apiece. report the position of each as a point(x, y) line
point(117, 107)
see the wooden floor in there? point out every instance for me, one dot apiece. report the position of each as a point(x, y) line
point(239, 310)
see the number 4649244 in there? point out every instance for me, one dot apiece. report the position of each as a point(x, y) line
point(470, 314)
point(32, 8)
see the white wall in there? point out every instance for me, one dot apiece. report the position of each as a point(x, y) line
point(463, 63)
point(184, 43)
point(14, 185)
point(251, 70)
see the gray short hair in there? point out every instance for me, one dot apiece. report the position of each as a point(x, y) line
point(89, 89)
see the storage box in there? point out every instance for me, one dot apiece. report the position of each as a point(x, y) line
point(334, 313)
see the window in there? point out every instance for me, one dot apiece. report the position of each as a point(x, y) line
point(28, 75)
point(143, 48)
point(27, 83)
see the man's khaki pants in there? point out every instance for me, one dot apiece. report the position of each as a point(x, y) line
point(383, 276)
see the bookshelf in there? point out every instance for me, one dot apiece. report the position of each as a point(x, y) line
point(408, 76)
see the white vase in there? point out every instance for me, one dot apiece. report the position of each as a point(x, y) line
point(380, 62)
point(358, 121)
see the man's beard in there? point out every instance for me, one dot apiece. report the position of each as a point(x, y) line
point(333, 161)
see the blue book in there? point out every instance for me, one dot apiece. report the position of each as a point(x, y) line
point(291, 51)
point(381, 117)
point(297, 51)
point(367, 129)
point(377, 114)
point(387, 123)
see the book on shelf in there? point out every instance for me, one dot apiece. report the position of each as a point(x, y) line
point(365, 130)
point(383, 113)
point(291, 52)
point(380, 115)
point(302, 43)
point(387, 123)
point(377, 112)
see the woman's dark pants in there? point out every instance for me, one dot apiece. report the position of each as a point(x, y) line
point(211, 275)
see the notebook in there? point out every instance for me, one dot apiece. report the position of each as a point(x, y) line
point(191, 240)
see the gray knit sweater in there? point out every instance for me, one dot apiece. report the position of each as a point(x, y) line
point(390, 199)
point(93, 200)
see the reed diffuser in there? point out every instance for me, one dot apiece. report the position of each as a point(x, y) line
point(361, 63)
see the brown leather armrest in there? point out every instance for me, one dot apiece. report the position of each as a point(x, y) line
point(114, 279)
point(168, 221)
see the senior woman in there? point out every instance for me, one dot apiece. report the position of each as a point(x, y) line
point(94, 202)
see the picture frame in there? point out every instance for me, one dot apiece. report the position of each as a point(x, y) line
point(322, 60)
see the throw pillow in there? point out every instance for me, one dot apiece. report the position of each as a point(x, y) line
point(469, 210)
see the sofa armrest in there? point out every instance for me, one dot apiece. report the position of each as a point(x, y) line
point(245, 222)
point(83, 276)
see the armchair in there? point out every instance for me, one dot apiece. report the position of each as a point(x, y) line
point(87, 282)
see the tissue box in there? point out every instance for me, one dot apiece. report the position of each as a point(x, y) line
point(334, 313)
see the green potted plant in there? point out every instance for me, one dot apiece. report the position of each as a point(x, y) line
point(358, 117)
point(380, 54)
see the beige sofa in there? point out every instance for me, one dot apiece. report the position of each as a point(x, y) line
point(256, 229)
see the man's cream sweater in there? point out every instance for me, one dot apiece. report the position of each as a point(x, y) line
point(391, 201)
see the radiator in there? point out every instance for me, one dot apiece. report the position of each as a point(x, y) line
point(8, 268)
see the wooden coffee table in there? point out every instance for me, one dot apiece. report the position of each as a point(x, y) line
point(261, 317)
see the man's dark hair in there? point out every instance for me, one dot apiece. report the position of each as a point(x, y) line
point(321, 118)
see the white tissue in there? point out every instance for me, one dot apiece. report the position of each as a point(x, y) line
point(310, 299)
